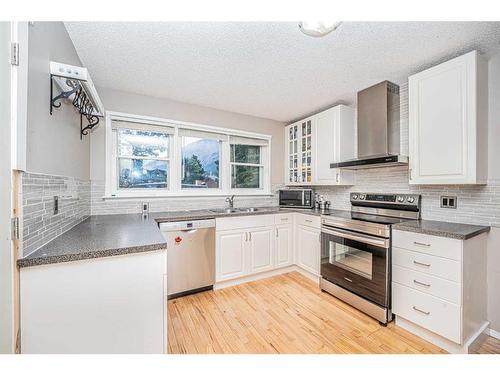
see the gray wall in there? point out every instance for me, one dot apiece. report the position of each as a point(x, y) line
point(120, 101)
point(53, 142)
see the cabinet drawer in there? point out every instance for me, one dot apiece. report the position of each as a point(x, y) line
point(434, 314)
point(444, 268)
point(439, 246)
point(436, 286)
point(308, 220)
point(243, 222)
point(283, 218)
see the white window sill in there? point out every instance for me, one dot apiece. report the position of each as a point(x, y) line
point(189, 195)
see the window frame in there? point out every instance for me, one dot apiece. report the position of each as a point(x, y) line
point(175, 160)
point(261, 167)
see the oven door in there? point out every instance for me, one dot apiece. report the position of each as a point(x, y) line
point(357, 262)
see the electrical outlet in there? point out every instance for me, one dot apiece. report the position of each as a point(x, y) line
point(145, 208)
point(448, 201)
point(56, 204)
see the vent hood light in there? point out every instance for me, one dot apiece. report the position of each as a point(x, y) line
point(318, 28)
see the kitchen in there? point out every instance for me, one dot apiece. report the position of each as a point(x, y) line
point(156, 213)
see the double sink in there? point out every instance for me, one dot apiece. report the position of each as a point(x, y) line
point(233, 210)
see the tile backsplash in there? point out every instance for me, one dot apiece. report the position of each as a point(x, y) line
point(39, 225)
point(477, 204)
point(100, 206)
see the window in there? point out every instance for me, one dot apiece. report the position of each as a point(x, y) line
point(142, 159)
point(246, 163)
point(200, 158)
point(155, 157)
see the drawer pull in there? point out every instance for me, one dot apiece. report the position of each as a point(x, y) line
point(421, 311)
point(421, 264)
point(422, 244)
point(308, 221)
point(347, 279)
point(284, 219)
point(421, 283)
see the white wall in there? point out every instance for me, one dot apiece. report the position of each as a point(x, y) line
point(121, 101)
point(6, 255)
point(494, 173)
point(53, 142)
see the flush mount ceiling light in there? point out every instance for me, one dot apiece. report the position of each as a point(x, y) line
point(318, 28)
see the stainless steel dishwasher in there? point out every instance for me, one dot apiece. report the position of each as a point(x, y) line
point(190, 256)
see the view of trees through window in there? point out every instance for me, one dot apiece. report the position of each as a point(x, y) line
point(245, 166)
point(200, 163)
point(142, 159)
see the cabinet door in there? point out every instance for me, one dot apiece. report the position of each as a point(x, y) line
point(292, 136)
point(442, 123)
point(261, 249)
point(230, 254)
point(284, 245)
point(306, 151)
point(308, 249)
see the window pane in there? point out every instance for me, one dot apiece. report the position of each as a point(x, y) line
point(142, 143)
point(143, 174)
point(200, 163)
point(245, 177)
point(245, 154)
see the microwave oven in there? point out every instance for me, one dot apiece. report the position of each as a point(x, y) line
point(296, 198)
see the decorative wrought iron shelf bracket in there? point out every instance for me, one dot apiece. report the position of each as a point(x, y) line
point(80, 101)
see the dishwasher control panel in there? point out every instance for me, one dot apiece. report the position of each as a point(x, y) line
point(187, 225)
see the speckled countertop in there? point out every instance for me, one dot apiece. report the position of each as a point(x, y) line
point(100, 236)
point(442, 229)
point(109, 235)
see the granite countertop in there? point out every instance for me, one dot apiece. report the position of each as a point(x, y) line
point(109, 235)
point(100, 236)
point(442, 229)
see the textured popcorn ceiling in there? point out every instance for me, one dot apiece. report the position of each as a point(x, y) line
point(265, 69)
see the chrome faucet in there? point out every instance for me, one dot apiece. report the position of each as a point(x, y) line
point(230, 201)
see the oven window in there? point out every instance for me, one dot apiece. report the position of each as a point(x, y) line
point(351, 259)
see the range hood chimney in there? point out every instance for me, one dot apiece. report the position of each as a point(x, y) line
point(378, 129)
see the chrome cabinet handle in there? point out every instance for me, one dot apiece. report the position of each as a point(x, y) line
point(250, 236)
point(421, 311)
point(308, 221)
point(422, 244)
point(284, 219)
point(337, 178)
point(420, 283)
point(421, 264)
point(410, 174)
point(276, 232)
point(246, 236)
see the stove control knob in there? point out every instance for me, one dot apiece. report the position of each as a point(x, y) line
point(401, 199)
point(355, 196)
point(411, 199)
point(362, 196)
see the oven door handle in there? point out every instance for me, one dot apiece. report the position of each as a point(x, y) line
point(380, 242)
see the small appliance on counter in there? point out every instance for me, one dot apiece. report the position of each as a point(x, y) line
point(296, 198)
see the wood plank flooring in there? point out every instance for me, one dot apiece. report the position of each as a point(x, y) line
point(283, 314)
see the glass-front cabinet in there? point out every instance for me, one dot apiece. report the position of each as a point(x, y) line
point(315, 142)
point(299, 159)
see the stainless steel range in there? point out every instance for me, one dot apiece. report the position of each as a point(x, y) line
point(356, 250)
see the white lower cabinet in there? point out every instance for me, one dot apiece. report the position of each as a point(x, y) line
point(255, 244)
point(261, 245)
point(308, 248)
point(284, 245)
point(439, 288)
point(230, 254)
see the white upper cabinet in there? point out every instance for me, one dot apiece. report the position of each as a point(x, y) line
point(315, 142)
point(448, 123)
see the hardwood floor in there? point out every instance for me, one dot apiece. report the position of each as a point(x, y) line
point(490, 346)
point(283, 314)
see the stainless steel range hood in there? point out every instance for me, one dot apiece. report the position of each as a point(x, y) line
point(378, 129)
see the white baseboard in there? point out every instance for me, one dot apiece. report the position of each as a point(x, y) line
point(265, 275)
point(440, 341)
point(494, 333)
